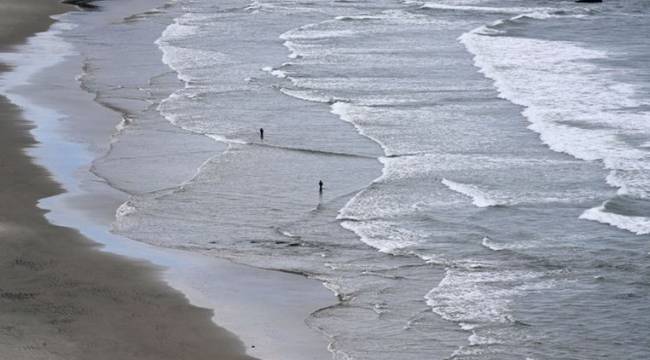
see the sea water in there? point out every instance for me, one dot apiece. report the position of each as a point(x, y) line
point(486, 166)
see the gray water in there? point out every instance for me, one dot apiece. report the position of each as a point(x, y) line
point(486, 163)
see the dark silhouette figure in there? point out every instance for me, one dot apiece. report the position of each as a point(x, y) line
point(262, 134)
point(320, 187)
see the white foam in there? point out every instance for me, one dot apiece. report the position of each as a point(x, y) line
point(192, 66)
point(393, 17)
point(430, 163)
point(547, 14)
point(631, 183)
point(384, 236)
point(306, 33)
point(356, 116)
point(178, 30)
point(126, 209)
point(479, 197)
point(476, 339)
point(307, 95)
point(486, 9)
point(256, 6)
point(491, 245)
point(371, 203)
point(307, 41)
point(186, 61)
point(639, 225)
point(123, 124)
point(555, 82)
point(277, 73)
point(294, 49)
point(576, 106)
point(224, 139)
point(473, 296)
point(495, 246)
point(467, 326)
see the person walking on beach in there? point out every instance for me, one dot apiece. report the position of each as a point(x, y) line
point(320, 186)
point(262, 134)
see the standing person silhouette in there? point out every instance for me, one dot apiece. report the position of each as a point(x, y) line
point(320, 186)
point(262, 134)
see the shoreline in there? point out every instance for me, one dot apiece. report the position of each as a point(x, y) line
point(63, 299)
point(86, 206)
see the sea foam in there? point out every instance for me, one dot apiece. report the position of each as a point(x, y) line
point(479, 197)
point(639, 225)
point(573, 104)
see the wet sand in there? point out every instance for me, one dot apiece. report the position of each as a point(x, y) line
point(61, 298)
point(21, 19)
point(72, 298)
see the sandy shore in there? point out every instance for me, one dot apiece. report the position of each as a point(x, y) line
point(62, 298)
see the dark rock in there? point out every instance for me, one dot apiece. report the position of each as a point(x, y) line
point(83, 4)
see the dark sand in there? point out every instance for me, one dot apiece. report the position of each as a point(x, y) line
point(61, 298)
point(20, 19)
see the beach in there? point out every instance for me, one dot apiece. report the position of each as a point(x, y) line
point(62, 295)
point(62, 298)
point(447, 179)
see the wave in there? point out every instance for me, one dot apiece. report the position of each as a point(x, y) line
point(639, 225)
point(479, 197)
point(471, 296)
point(256, 7)
point(539, 13)
point(492, 245)
point(575, 106)
point(474, 295)
point(467, 293)
point(192, 66)
point(304, 33)
point(124, 216)
point(387, 237)
point(223, 139)
point(631, 182)
point(486, 9)
point(496, 246)
point(476, 339)
point(275, 72)
point(354, 115)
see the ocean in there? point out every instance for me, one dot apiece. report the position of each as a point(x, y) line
point(486, 164)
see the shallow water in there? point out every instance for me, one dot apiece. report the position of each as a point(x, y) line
point(485, 165)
